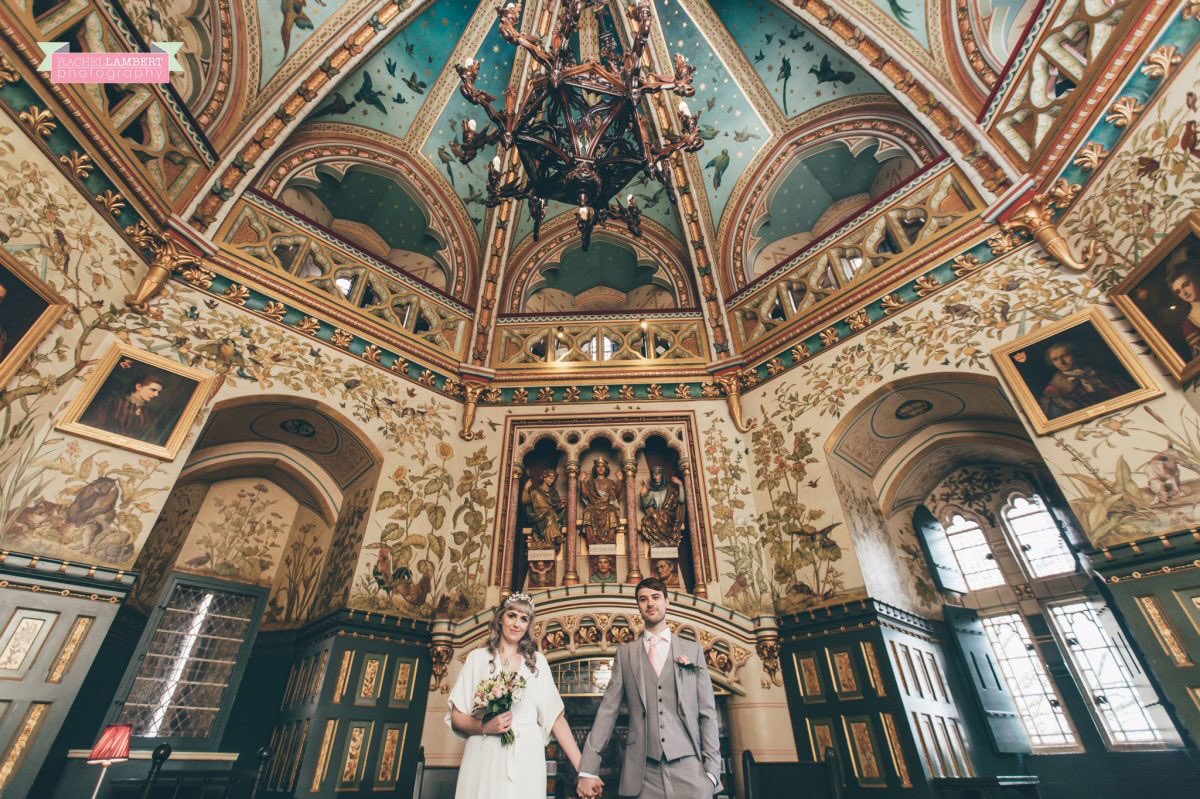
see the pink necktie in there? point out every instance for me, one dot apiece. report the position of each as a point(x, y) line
point(657, 654)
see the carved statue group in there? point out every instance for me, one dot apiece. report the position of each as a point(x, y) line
point(601, 492)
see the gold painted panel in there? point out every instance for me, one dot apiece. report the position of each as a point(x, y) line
point(391, 754)
point(26, 734)
point(70, 648)
point(370, 685)
point(322, 768)
point(354, 757)
point(1168, 638)
point(820, 738)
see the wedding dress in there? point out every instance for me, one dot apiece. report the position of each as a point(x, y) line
point(491, 770)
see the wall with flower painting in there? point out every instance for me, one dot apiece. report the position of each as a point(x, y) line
point(56, 234)
point(1105, 467)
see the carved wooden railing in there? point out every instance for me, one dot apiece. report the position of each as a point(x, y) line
point(928, 209)
point(1070, 39)
point(332, 272)
point(154, 137)
point(674, 338)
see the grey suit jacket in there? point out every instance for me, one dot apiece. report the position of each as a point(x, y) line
point(697, 706)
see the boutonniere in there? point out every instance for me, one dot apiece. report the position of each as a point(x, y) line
point(685, 664)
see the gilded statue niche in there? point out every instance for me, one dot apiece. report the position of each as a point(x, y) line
point(592, 503)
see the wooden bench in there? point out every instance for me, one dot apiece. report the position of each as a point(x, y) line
point(794, 780)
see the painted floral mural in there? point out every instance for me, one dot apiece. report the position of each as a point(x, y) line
point(240, 532)
point(87, 502)
point(420, 565)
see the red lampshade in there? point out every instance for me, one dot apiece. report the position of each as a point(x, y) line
point(113, 746)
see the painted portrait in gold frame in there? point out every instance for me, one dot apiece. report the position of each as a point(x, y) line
point(138, 401)
point(1161, 298)
point(29, 308)
point(1073, 370)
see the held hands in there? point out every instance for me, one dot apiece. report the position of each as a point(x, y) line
point(589, 787)
point(498, 724)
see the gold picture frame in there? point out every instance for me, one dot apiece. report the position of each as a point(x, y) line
point(1061, 378)
point(1150, 299)
point(29, 309)
point(102, 410)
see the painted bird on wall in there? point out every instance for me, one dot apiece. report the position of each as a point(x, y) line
point(785, 72)
point(367, 93)
point(294, 16)
point(337, 105)
point(718, 164)
point(827, 74)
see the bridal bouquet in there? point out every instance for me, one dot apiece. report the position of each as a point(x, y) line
point(496, 695)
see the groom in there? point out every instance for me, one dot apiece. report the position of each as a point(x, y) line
point(672, 748)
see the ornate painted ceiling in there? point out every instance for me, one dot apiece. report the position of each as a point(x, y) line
point(767, 74)
point(856, 156)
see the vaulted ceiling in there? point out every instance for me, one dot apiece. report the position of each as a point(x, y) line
point(785, 108)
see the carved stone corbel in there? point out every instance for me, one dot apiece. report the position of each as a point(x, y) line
point(471, 394)
point(440, 654)
point(1036, 218)
point(768, 650)
point(168, 255)
point(731, 384)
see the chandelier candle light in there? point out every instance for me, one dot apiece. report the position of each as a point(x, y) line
point(578, 130)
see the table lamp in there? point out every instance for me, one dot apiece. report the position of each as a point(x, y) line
point(113, 747)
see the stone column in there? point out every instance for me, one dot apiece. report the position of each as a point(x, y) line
point(572, 576)
point(634, 572)
point(689, 494)
point(508, 538)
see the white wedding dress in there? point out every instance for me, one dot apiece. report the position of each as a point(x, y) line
point(491, 770)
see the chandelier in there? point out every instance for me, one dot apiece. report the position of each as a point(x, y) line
point(577, 130)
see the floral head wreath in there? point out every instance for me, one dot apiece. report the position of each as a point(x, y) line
point(518, 598)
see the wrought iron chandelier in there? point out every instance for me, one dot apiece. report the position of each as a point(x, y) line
point(577, 130)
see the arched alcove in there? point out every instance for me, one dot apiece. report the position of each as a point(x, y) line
point(258, 501)
point(375, 212)
point(823, 187)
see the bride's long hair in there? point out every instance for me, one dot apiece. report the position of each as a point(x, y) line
point(527, 647)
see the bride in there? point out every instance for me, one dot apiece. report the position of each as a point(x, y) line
point(491, 770)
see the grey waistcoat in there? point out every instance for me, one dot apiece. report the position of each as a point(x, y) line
point(666, 738)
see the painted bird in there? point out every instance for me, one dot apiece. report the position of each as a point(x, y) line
point(900, 13)
point(337, 105)
point(369, 95)
point(759, 56)
point(460, 152)
point(1147, 167)
point(651, 200)
point(827, 74)
point(399, 99)
point(1187, 142)
point(293, 17)
point(740, 584)
point(710, 103)
point(707, 132)
point(390, 65)
point(785, 72)
point(808, 47)
point(474, 197)
point(744, 135)
point(795, 32)
point(1191, 101)
point(410, 49)
point(447, 159)
point(719, 163)
point(416, 85)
